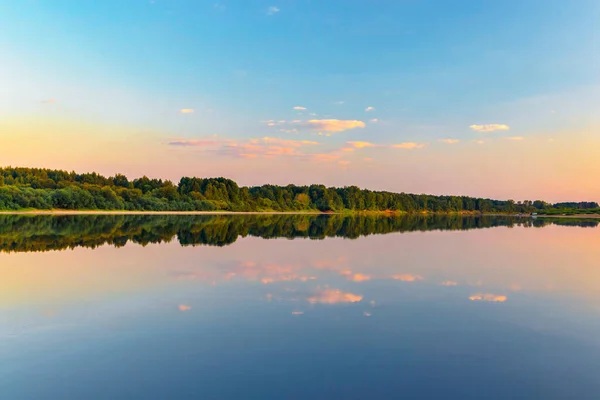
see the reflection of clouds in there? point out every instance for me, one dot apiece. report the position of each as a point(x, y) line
point(297, 312)
point(360, 278)
point(515, 287)
point(184, 307)
point(449, 283)
point(248, 264)
point(367, 314)
point(407, 277)
point(334, 296)
point(330, 264)
point(184, 275)
point(488, 297)
point(247, 270)
point(339, 265)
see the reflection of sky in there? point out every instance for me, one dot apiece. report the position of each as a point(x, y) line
point(491, 302)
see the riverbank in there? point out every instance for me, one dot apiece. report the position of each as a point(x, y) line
point(101, 212)
point(384, 212)
point(578, 216)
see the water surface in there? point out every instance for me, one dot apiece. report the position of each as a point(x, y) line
point(155, 307)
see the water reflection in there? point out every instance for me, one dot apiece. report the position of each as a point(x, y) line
point(510, 310)
point(20, 233)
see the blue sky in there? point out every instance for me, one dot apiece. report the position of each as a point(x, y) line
point(428, 69)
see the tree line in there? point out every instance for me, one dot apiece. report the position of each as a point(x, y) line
point(38, 188)
point(34, 233)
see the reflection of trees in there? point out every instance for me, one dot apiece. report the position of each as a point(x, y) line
point(24, 233)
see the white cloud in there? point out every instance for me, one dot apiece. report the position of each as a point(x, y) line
point(449, 283)
point(409, 145)
point(187, 111)
point(334, 125)
point(489, 128)
point(273, 10)
point(370, 109)
point(374, 121)
point(488, 297)
point(299, 108)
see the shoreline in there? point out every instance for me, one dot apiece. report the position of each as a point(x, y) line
point(388, 213)
point(589, 216)
point(93, 212)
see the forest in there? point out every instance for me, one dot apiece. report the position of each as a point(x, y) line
point(46, 189)
point(39, 233)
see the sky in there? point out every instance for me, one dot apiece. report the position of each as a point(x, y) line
point(481, 98)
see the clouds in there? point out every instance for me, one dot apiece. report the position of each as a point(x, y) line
point(266, 147)
point(449, 283)
point(489, 128)
point(272, 10)
point(449, 141)
point(359, 278)
point(186, 111)
point(407, 277)
point(515, 138)
point(184, 307)
point(194, 143)
point(488, 297)
point(285, 142)
point(369, 109)
point(334, 125)
point(48, 101)
point(361, 145)
point(323, 125)
point(334, 296)
point(409, 145)
point(299, 108)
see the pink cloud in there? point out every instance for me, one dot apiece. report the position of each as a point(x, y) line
point(361, 145)
point(195, 143)
point(334, 296)
point(407, 277)
point(449, 141)
point(449, 283)
point(409, 145)
point(360, 278)
point(488, 297)
point(333, 125)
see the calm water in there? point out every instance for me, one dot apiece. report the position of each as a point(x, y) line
point(171, 307)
